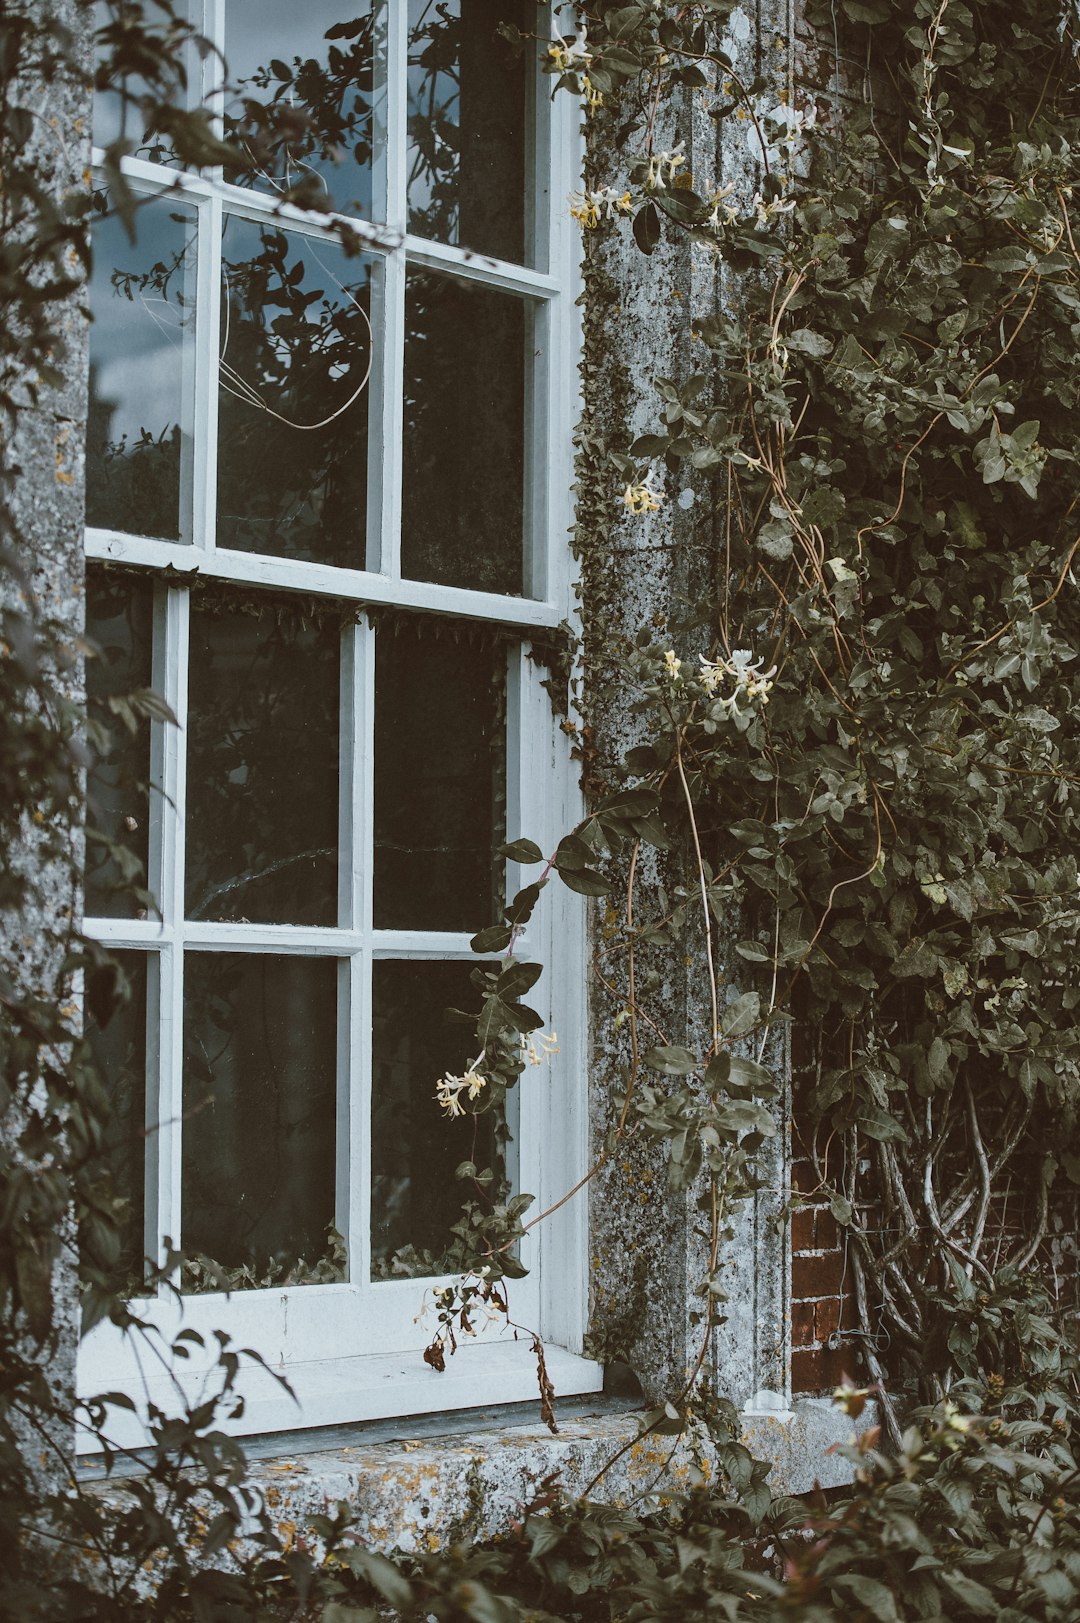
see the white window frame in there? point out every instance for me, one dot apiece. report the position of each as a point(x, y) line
point(311, 1333)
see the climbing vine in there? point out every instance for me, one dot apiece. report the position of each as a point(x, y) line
point(857, 743)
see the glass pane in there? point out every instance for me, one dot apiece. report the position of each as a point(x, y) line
point(440, 775)
point(467, 118)
point(462, 496)
point(117, 1042)
point(296, 349)
point(138, 442)
point(258, 1187)
point(302, 95)
point(119, 630)
point(118, 114)
point(262, 742)
point(415, 1146)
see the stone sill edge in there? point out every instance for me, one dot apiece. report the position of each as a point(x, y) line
point(425, 1494)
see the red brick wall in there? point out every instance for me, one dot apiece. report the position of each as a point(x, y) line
point(822, 1301)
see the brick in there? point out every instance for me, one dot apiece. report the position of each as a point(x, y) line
point(826, 1318)
point(803, 1176)
point(815, 1369)
point(826, 1232)
point(802, 1229)
point(816, 1276)
point(802, 1324)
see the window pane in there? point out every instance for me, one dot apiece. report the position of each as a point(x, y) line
point(258, 1187)
point(462, 496)
point(262, 765)
point(118, 1050)
point(118, 114)
point(138, 444)
point(467, 118)
point(292, 434)
point(301, 103)
point(415, 1146)
point(440, 775)
point(119, 627)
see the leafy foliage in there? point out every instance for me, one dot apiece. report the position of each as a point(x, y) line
point(868, 760)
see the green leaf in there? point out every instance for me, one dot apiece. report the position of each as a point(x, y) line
point(518, 978)
point(747, 1073)
point(741, 1016)
point(521, 851)
point(672, 1061)
point(520, 909)
point(494, 939)
point(382, 1575)
point(647, 228)
point(874, 1596)
point(586, 881)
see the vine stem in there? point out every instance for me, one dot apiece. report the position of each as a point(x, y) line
point(704, 891)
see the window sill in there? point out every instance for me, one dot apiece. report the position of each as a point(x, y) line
point(429, 1484)
point(341, 1391)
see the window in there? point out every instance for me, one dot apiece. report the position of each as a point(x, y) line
point(327, 514)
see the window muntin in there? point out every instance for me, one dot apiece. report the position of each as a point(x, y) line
point(387, 945)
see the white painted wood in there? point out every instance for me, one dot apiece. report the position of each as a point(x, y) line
point(332, 1391)
point(311, 1329)
point(170, 675)
point(322, 580)
point(467, 265)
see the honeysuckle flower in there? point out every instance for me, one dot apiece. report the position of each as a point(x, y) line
point(584, 210)
point(664, 168)
point(591, 207)
point(751, 682)
point(612, 202)
point(719, 206)
point(642, 496)
point(450, 1089)
point(673, 665)
point(765, 211)
point(542, 1047)
point(570, 58)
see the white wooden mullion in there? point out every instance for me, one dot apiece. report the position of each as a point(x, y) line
point(430, 944)
point(396, 157)
point(385, 423)
point(170, 680)
point(468, 265)
point(349, 1217)
point(208, 340)
point(314, 940)
point(137, 934)
point(323, 580)
point(360, 965)
point(386, 415)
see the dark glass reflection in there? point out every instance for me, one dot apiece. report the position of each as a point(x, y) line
point(258, 1187)
point(292, 432)
point(415, 1146)
point(464, 435)
point(440, 775)
point(118, 1050)
point(119, 629)
point(119, 105)
point(262, 740)
point(138, 443)
point(302, 97)
point(467, 120)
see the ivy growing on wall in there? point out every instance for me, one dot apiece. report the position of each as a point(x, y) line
point(861, 745)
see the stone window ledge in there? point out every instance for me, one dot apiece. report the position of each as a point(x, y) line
point(422, 1492)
